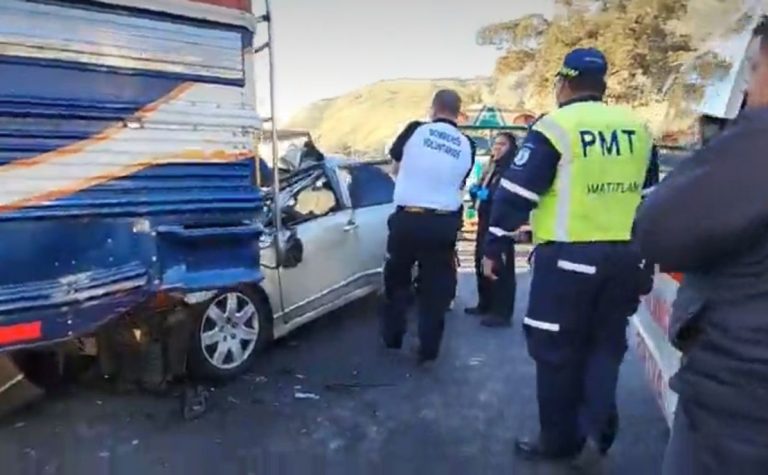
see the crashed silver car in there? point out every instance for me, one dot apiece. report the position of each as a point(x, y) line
point(330, 251)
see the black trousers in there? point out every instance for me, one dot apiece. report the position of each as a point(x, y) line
point(495, 297)
point(427, 240)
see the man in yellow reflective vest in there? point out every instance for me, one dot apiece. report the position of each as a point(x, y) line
point(580, 175)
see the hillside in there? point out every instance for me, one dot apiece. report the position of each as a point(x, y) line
point(654, 47)
point(366, 120)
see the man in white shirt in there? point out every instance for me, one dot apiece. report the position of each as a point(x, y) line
point(432, 161)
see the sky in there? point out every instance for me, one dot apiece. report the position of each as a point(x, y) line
point(325, 48)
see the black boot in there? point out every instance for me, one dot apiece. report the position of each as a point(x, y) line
point(478, 310)
point(533, 450)
point(495, 321)
point(590, 461)
point(609, 433)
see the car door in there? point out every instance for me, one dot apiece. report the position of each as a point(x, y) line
point(371, 191)
point(322, 221)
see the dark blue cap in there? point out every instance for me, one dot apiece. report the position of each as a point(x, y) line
point(584, 62)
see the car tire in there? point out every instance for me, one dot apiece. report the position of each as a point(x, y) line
point(230, 329)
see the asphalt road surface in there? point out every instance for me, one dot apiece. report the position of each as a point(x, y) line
point(329, 400)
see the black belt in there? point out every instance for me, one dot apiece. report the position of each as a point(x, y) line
point(420, 210)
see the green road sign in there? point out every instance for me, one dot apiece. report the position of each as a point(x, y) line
point(489, 117)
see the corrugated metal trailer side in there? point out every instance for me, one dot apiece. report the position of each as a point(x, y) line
point(125, 160)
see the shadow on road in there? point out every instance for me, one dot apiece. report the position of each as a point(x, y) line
point(329, 399)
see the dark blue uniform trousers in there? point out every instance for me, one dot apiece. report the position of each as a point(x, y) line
point(580, 300)
point(427, 240)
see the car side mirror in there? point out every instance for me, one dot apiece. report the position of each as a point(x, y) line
point(292, 251)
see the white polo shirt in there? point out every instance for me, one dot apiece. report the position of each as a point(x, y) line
point(435, 160)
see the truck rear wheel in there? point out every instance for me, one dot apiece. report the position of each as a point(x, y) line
point(230, 330)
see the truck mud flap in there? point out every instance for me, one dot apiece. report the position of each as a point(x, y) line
point(16, 391)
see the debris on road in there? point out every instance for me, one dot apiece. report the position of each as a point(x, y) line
point(287, 371)
point(16, 391)
point(302, 395)
point(19, 425)
point(356, 386)
point(233, 400)
point(476, 361)
point(194, 402)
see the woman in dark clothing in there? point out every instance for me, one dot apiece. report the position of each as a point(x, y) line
point(496, 299)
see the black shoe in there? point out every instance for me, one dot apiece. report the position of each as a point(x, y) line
point(493, 321)
point(532, 450)
point(425, 361)
point(392, 343)
point(609, 434)
point(590, 461)
point(422, 358)
point(476, 310)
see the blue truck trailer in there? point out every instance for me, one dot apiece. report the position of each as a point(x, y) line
point(127, 178)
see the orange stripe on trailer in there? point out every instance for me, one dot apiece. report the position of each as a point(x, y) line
point(20, 332)
point(102, 136)
point(183, 156)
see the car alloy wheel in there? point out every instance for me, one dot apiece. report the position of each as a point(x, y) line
point(229, 330)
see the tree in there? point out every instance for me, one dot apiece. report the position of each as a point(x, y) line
point(521, 34)
point(637, 37)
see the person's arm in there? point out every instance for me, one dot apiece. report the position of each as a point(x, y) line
point(397, 149)
point(530, 175)
point(713, 205)
point(472, 158)
point(652, 174)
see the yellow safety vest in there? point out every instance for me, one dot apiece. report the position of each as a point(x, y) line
point(604, 155)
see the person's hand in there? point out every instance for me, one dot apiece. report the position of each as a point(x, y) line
point(488, 268)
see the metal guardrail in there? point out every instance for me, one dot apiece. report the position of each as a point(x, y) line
point(514, 128)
